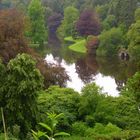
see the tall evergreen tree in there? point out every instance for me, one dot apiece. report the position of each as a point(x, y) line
point(67, 27)
point(123, 10)
point(18, 91)
point(36, 14)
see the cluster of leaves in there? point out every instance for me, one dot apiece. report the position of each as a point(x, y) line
point(19, 86)
point(67, 104)
point(50, 128)
point(99, 131)
point(91, 112)
point(67, 27)
point(22, 81)
point(134, 39)
point(12, 39)
point(12, 42)
point(92, 44)
point(36, 15)
point(88, 23)
point(132, 88)
point(110, 42)
point(102, 112)
point(124, 11)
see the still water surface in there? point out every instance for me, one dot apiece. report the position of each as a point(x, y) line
point(106, 82)
point(109, 73)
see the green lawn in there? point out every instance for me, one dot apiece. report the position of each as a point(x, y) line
point(78, 46)
point(69, 39)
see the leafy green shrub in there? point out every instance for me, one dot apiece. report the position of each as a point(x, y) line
point(130, 134)
point(90, 120)
point(133, 36)
point(49, 131)
point(92, 43)
point(132, 87)
point(102, 132)
point(102, 11)
point(109, 22)
point(91, 96)
point(112, 129)
point(67, 28)
point(2, 137)
point(18, 91)
point(110, 42)
point(59, 100)
point(137, 14)
point(79, 128)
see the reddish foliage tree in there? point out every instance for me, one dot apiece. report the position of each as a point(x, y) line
point(88, 23)
point(92, 44)
point(12, 42)
point(11, 33)
point(84, 71)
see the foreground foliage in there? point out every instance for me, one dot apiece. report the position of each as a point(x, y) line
point(19, 86)
point(51, 133)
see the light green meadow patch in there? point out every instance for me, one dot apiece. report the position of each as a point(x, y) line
point(79, 46)
point(69, 39)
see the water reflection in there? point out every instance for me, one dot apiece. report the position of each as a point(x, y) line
point(117, 69)
point(81, 74)
point(84, 72)
point(109, 73)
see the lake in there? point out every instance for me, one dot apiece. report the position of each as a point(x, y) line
point(109, 73)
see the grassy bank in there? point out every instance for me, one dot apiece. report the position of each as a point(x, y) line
point(69, 39)
point(78, 46)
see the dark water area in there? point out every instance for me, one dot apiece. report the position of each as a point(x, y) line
point(109, 73)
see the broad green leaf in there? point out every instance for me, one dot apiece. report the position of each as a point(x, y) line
point(61, 134)
point(46, 126)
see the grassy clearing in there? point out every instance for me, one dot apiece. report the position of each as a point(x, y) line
point(69, 39)
point(79, 46)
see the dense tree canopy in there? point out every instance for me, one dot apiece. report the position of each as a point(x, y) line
point(134, 39)
point(124, 10)
point(18, 90)
point(132, 87)
point(36, 15)
point(88, 23)
point(12, 30)
point(67, 27)
point(109, 22)
point(110, 42)
point(12, 39)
